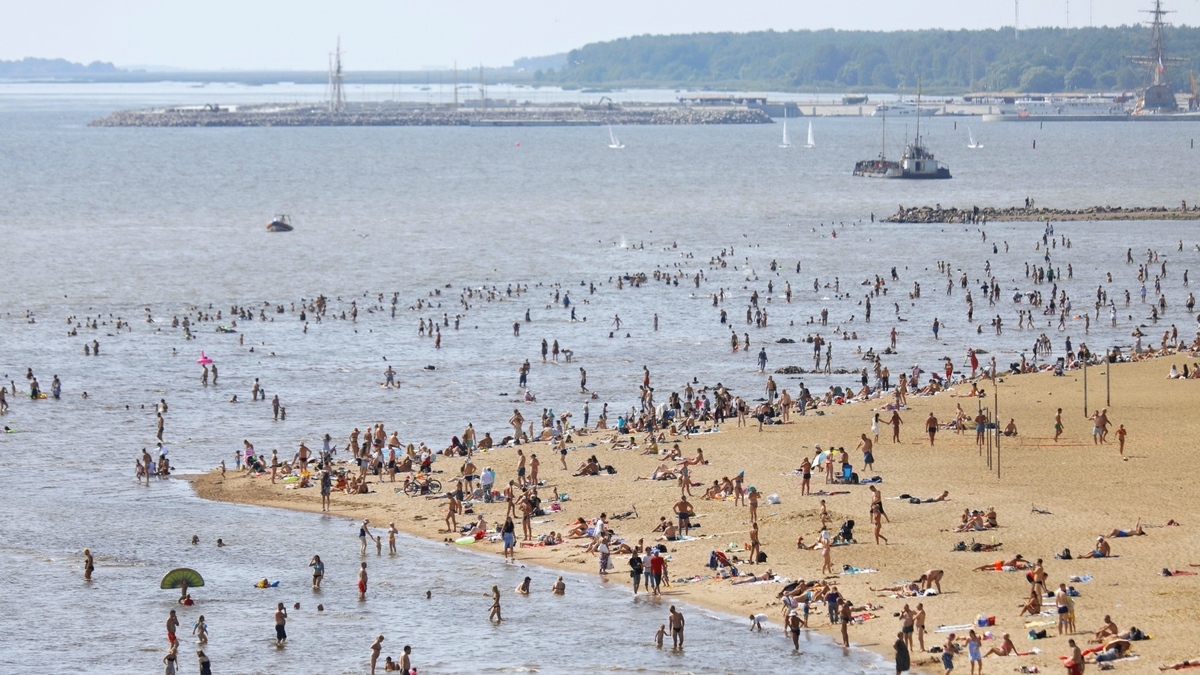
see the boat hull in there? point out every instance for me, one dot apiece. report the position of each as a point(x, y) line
point(279, 227)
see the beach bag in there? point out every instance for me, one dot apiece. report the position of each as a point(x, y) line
point(609, 468)
point(762, 557)
point(1065, 555)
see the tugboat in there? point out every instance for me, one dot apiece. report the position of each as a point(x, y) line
point(915, 163)
point(881, 167)
point(281, 223)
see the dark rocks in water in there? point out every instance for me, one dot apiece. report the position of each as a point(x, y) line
point(785, 341)
point(790, 370)
point(430, 368)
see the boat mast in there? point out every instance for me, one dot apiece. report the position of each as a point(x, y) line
point(337, 98)
point(918, 111)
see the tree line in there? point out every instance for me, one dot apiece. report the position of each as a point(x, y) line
point(1040, 60)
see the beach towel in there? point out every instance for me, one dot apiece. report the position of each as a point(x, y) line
point(855, 570)
point(951, 629)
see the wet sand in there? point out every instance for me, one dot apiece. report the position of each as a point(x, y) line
point(1086, 489)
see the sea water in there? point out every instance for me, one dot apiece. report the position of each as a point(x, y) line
point(109, 222)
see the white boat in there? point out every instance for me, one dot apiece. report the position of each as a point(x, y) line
point(612, 140)
point(1063, 105)
point(902, 109)
point(812, 143)
point(786, 143)
point(973, 145)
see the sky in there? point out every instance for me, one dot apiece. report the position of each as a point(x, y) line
point(404, 35)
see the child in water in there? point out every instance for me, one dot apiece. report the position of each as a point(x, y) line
point(658, 637)
point(200, 630)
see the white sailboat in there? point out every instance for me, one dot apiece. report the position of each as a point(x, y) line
point(786, 143)
point(812, 143)
point(973, 145)
point(612, 140)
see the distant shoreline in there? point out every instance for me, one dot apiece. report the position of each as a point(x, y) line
point(314, 116)
point(937, 214)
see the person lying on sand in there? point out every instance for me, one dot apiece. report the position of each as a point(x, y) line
point(1017, 563)
point(910, 589)
point(940, 498)
point(1111, 651)
point(1136, 531)
point(1191, 663)
point(765, 576)
point(694, 461)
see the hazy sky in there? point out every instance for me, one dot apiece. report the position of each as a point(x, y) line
point(394, 34)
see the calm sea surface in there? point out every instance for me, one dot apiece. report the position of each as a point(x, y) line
point(112, 222)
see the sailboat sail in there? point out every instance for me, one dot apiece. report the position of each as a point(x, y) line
point(786, 143)
point(612, 138)
point(811, 141)
point(973, 144)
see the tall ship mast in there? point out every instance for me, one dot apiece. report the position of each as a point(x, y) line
point(1159, 97)
point(337, 97)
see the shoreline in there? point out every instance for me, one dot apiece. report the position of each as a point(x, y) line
point(1016, 214)
point(404, 116)
point(1081, 499)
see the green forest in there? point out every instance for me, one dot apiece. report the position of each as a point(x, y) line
point(1040, 60)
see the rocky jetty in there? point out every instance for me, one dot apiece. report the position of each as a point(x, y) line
point(313, 116)
point(937, 214)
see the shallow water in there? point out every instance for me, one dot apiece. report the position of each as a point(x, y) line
point(100, 221)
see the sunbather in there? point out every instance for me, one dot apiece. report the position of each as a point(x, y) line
point(1136, 531)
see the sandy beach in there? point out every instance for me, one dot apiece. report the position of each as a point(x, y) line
point(1079, 490)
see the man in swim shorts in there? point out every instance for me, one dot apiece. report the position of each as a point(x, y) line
point(362, 582)
point(172, 624)
point(676, 623)
point(281, 623)
point(931, 426)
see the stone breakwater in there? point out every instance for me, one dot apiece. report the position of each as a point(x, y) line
point(294, 116)
point(937, 214)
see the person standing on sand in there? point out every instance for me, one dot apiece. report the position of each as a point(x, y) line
point(1121, 440)
point(919, 625)
point(683, 511)
point(902, 658)
point(866, 445)
point(281, 625)
point(516, 421)
point(895, 421)
point(675, 621)
point(875, 516)
point(376, 647)
point(931, 426)
point(949, 649)
point(1058, 425)
point(362, 582)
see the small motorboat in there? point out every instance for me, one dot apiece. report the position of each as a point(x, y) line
point(281, 223)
